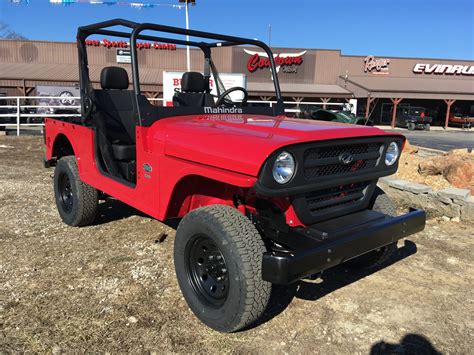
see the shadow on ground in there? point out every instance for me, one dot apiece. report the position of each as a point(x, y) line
point(112, 210)
point(410, 344)
point(329, 281)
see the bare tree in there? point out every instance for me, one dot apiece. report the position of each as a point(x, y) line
point(7, 33)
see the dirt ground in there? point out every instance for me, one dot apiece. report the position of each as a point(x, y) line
point(111, 286)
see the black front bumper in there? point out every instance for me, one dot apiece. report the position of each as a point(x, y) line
point(332, 242)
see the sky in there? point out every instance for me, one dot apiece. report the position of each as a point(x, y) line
point(396, 28)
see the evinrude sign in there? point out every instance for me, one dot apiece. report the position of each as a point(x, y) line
point(449, 69)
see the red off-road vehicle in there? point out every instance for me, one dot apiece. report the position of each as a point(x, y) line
point(263, 199)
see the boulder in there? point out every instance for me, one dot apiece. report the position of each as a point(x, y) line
point(456, 166)
point(460, 174)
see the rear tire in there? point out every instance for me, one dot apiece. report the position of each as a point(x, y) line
point(75, 200)
point(218, 261)
point(427, 127)
point(373, 259)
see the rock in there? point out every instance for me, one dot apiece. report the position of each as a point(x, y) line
point(456, 166)
point(386, 180)
point(456, 219)
point(397, 184)
point(435, 195)
point(56, 350)
point(460, 174)
point(132, 319)
point(439, 208)
point(417, 188)
point(454, 193)
point(445, 218)
point(467, 213)
point(465, 201)
point(432, 166)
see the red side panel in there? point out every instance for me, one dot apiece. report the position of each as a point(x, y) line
point(155, 186)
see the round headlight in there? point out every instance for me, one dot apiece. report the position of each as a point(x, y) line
point(392, 153)
point(284, 168)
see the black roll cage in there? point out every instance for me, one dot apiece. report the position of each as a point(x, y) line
point(101, 28)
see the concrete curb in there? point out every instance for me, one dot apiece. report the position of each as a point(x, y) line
point(456, 204)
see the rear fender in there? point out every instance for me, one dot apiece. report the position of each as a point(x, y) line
point(64, 138)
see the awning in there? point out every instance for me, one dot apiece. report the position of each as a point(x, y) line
point(69, 72)
point(435, 87)
point(299, 90)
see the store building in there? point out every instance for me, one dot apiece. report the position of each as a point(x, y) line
point(378, 84)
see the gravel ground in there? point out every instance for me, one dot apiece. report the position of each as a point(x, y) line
point(111, 286)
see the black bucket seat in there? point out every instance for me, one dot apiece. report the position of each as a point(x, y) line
point(194, 91)
point(114, 119)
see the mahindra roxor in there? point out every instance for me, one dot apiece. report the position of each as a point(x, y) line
point(262, 199)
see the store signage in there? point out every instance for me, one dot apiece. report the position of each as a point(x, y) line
point(421, 68)
point(124, 56)
point(65, 96)
point(376, 65)
point(289, 62)
point(122, 44)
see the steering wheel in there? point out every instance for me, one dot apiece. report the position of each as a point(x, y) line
point(228, 102)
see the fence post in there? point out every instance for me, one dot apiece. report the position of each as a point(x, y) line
point(18, 114)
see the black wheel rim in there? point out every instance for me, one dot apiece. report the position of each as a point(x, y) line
point(206, 270)
point(65, 193)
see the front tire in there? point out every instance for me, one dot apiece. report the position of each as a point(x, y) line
point(75, 200)
point(373, 259)
point(411, 126)
point(218, 261)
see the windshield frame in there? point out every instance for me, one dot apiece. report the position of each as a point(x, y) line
point(217, 40)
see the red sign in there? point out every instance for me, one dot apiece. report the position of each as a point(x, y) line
point(259, 60)
point(122, 44)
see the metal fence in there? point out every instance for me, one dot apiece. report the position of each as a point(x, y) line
point(22, 112)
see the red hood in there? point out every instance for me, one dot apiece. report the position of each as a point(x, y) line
point(241, 143)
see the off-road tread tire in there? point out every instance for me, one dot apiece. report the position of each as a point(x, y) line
point(249, 251)
point(372, 260)
point(411, 126)
point(85, 196)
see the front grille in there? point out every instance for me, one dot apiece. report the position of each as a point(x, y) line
point(336, 196)
point(326, 161)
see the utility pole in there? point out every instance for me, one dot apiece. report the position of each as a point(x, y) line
point(269, 34)
point(188, 59)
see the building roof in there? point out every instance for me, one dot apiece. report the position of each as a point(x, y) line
point(291, 89)
point(68, 72)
